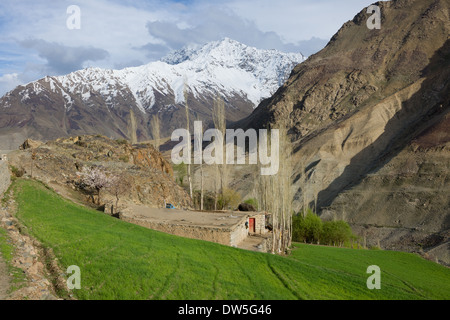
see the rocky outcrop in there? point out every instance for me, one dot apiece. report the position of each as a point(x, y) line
point(146, 155)
point(5, 177)
point(29, 258)
point(29, 144)
point(141, 167)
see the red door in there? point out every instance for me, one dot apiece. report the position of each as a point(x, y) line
point(251, 224)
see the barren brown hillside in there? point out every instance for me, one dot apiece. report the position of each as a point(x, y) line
point(369, 119)
point(58, 163)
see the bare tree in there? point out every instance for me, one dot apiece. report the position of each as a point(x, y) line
point(119, 185)
point(187, 127)
point(155, 129)
point(276, 196)
point(132, 127)
point(95, 178)
point(198, 147)
point(219, 119)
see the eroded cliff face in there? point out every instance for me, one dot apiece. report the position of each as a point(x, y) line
point(148, 175)
point(354, 111)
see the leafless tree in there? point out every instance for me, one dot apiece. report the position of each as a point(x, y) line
point(119, 186)
point(276, 196)
point(132, 127)
point(219, 119)
point(155, 129)
point(198, 147)
point(187, 127)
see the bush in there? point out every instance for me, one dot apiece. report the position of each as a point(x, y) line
point(309, 228)
point(336, 233)
point(124, 158)
point(298, 228)
point(180, 171)
point(121, 141)
point(17, 172)
point(228, 199)
point(253, 202)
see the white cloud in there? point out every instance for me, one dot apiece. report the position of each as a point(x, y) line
point(9, 81)
point(125, 33)
point(298, 20)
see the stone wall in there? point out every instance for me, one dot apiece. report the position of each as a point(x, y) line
point(218, 235)
point(5, 176)
point(238, 233)
point(226, 236)
point(260, 223)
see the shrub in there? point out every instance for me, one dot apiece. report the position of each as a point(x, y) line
point(181, 171)
point(17, 172)
point(229, 198)
point(313, 226)
point(298, 228)
point(124, 158)
point(253, 202)
point(307, 228)
point(336, 233)
point(121, 141)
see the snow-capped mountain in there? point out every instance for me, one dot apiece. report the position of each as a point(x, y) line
point(82, 101)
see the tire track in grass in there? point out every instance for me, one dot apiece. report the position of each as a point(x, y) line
point(167, 282)
point(410, 286)
point(283, 281)
point(216, 275)
point(245, 272)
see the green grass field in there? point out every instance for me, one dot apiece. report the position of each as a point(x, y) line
point(119, 260)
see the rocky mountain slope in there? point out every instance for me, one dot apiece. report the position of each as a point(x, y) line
point(368, 116)
point(119, 103)
point(58, 163)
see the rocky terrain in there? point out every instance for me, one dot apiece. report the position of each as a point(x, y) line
point(122, 103)
point(368, 116)
point(148, 176)
point(30, 258)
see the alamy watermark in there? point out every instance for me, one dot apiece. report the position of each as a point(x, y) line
point(234, 153)
point(73, 22)
point(374, 281)
point(74, 281)
point(374, 21)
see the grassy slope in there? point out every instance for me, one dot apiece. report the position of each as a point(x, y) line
point(119, 260)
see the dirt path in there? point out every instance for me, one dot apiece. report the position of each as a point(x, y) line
point(251, 243)
point(4, 279)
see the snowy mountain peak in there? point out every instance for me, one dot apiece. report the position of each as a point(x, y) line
point(225, 50)
point(93, 97)
point(232, 67)
point(227, 67)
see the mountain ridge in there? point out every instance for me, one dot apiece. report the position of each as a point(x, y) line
point(354, 110)
point(242, 75)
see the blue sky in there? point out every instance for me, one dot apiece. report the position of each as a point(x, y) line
point(35, 41)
